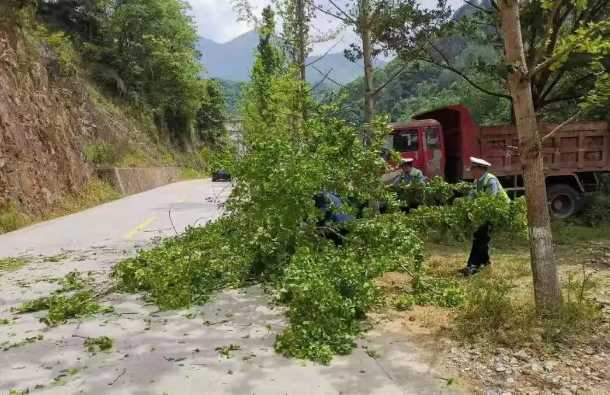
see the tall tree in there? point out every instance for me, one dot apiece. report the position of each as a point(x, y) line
point(268, 64)
point(296, 33)
point(546, 283)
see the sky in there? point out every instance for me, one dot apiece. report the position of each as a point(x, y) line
point(217, 21)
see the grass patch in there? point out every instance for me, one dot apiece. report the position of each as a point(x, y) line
point(102, 343)
point(94, 193)
point(11, 264)
point(500, 312)
point(12, 218)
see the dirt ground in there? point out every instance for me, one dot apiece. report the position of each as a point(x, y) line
point(514, 366)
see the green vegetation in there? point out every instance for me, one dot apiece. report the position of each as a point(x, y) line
point(225, 351)
point(12, 218)
point(273, 231)
point(100, 154)
point(62, 308)
point(95, 192)
point(11, 264)
point(102, 343)
point(28, 340)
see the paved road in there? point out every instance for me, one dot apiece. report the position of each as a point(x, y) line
point(170, 352)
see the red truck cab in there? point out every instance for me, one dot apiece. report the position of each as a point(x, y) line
point(423, 141)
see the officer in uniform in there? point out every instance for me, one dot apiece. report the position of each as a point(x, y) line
point(484, 183)
point(409, 173)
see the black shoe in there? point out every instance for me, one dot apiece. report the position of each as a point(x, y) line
point(469, 271)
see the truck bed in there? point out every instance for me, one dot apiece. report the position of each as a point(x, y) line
point(578, 147)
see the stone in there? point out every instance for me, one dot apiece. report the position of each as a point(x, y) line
point(549, 365)
point(522, 355)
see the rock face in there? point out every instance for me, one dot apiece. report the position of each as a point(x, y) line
point(46, 121)
point(39, 120)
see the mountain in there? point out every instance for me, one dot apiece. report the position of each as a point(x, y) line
point(233, 61)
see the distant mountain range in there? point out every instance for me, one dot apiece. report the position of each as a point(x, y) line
point(233, 61)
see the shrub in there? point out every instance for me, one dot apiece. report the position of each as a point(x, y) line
point(67, 56)
point(100, 154)
point(597, 209)
point(12, 218)
point(488, 307)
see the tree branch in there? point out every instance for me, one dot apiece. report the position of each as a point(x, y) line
point(558, 99)
point(324, 78)
point(328, 78)
point(562, 125)
point(329, 13)
point(342, 11)
point(387, 82)
point(470, 3)
point(323, 55)
point(467, 79)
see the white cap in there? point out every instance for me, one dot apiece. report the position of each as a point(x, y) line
point(479, 162)
point(407, 160)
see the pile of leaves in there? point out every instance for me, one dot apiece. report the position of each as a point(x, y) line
point(74, 299)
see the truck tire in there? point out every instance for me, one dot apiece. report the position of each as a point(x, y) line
point(564, 201)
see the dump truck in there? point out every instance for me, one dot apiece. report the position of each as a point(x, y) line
point(442, 141)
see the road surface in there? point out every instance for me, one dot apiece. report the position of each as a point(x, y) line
point(169, 352)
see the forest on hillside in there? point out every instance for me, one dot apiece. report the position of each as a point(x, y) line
point(140, 51)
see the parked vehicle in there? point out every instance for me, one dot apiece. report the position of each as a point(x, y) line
point(442, 141)
point(221, 176)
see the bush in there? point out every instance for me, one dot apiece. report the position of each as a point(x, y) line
point(100, 154)
point(67, 56)
point(597, 209)
point(488, 307)
point(12, 218)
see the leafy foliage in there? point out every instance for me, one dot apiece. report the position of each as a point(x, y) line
point(597, 209)
point(62, 308)
point(102, 343)
point(142, 50)
point(273, 231)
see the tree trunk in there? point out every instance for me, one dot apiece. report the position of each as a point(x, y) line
point(367, 55)
point(302, 39)
point(546, 283)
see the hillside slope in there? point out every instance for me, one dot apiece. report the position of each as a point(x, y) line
point(48, 122)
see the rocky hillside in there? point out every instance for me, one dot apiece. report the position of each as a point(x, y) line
point(48, 122)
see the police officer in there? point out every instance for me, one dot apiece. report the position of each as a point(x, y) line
point(484, 183)
point(409, 173)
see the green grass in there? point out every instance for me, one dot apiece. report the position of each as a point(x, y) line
point(94, 193)
point(499, 303)
point(12, 218)
point(12, 264)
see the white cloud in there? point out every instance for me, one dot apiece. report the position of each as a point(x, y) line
point(217, 20)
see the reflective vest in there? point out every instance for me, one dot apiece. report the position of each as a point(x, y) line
point(484, 185)
point(414, 175)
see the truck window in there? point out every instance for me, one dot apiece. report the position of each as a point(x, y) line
point(432, 138)
point(406, 141)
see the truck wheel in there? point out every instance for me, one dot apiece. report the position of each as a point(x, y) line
point(564, 201)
